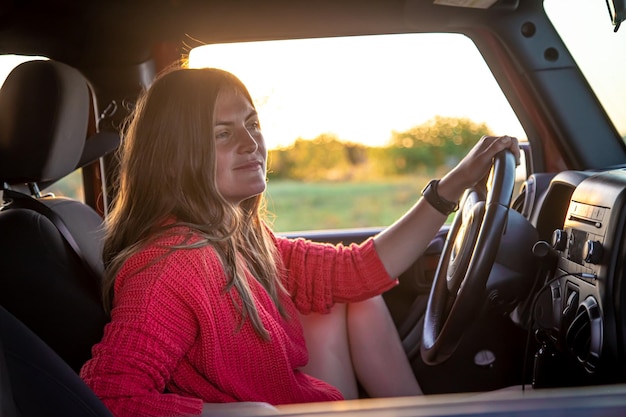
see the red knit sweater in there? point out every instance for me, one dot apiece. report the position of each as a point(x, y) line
point(173, 342)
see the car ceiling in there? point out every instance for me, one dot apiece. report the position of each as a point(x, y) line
point(120, 32)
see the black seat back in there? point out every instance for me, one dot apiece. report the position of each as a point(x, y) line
point(44, 116)
point(35, 381)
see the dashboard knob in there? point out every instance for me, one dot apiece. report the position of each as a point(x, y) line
point(559, 239)
point(592, 252)
point(543, 250)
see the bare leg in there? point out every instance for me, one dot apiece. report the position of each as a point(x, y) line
point(326, 338)
point(358, 340)
point(379, 360)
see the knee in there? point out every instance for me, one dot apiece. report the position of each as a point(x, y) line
point(371, 309)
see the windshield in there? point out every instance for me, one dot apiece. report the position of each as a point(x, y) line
point(354, 122)
point(586, 29)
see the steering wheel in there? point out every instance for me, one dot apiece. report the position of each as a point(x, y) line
point(458, 289)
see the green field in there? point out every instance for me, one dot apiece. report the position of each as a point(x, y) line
point(329, 205)
point(296, 206)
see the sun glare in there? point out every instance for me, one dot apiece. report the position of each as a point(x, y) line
point(8, 62)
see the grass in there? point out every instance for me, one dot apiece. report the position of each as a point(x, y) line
point(299, 206)
point(332, 205)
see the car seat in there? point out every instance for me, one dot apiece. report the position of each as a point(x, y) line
point(50, 247)
point(35, 381)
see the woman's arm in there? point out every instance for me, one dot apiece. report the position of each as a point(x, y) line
point(403, 242)
point(151, 328)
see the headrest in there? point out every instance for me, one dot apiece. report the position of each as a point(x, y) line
point(44, 115)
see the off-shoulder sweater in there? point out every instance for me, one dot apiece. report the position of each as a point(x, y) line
point(176, 339)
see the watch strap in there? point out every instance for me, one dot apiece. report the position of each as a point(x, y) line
point(442, 205)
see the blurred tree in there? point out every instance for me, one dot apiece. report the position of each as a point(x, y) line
point(322, 158)
point(437, 144)
point(440, 142)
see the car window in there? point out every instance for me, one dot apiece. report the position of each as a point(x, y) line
point(355, 123)
point(585, 27)
point(70, 186)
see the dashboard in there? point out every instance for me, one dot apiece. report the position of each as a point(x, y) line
point(577, 313)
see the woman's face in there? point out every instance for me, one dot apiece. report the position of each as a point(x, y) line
point(240, 147)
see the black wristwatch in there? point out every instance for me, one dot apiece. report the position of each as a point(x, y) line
point(442, 205)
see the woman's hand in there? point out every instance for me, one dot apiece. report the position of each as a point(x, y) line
point(475, 165)
point(404, 241)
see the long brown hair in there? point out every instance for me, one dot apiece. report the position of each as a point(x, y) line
point(168, 170)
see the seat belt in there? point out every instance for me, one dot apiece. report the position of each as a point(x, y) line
point(20, 200)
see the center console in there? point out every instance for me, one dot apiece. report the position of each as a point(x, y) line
point(579, 311)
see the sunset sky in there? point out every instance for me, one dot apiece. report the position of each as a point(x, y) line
point(362, 88)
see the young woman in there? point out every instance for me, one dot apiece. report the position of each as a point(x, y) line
point(207, 304)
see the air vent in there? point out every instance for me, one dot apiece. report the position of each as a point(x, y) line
point(584, 335)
